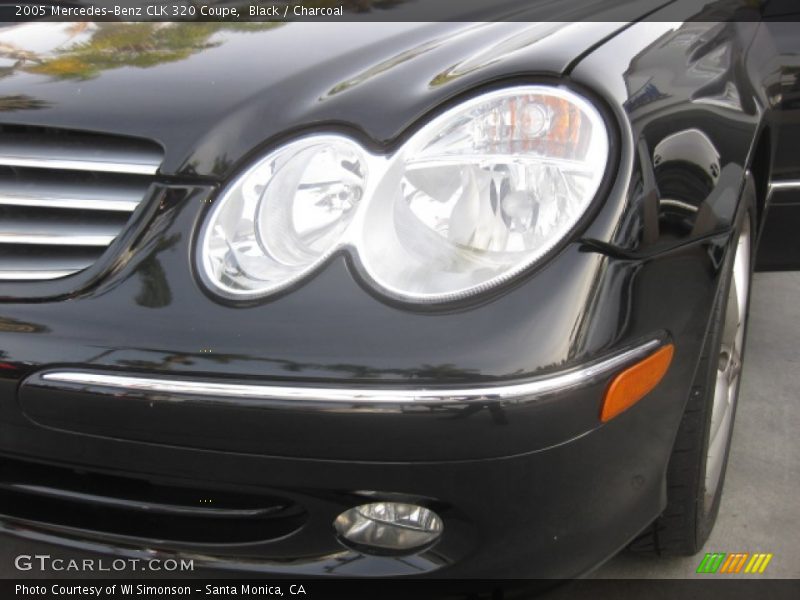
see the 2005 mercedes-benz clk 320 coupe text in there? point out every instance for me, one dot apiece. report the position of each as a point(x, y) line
point(383, 298)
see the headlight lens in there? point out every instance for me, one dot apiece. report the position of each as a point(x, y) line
point(477, 195)
point(485, 190)
point(283, 217)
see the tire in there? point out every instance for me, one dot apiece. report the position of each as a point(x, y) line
point(696, 470)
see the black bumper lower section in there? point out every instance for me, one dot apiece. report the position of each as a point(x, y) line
point(556, 512)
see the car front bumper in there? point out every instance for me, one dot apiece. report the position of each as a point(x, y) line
point(556, 511)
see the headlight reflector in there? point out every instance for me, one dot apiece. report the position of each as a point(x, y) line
point(478, 194)
point(284, 216)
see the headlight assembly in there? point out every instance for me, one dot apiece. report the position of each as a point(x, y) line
point(474, 197)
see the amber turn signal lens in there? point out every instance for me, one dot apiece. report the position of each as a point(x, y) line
point(635, 382)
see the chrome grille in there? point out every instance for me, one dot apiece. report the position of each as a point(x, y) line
point(65, 196)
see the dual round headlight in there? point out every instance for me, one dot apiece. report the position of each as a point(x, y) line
point(474, 197)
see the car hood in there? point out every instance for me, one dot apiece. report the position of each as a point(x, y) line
point(213, 93)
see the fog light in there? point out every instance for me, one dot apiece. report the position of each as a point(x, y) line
point(389, 527)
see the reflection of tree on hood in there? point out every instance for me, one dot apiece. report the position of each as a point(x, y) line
point(21, 102)
point(115, 45)
point(142, 45)
point(22, 57)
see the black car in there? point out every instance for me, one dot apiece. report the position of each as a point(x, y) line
point(450, 298)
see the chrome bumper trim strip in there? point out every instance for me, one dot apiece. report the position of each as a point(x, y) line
point(254, 394)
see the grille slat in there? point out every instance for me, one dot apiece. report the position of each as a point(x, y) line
point(45, 190)
point(44, 262)
point(26, 228)
point(65, 196)
point(79, 152)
